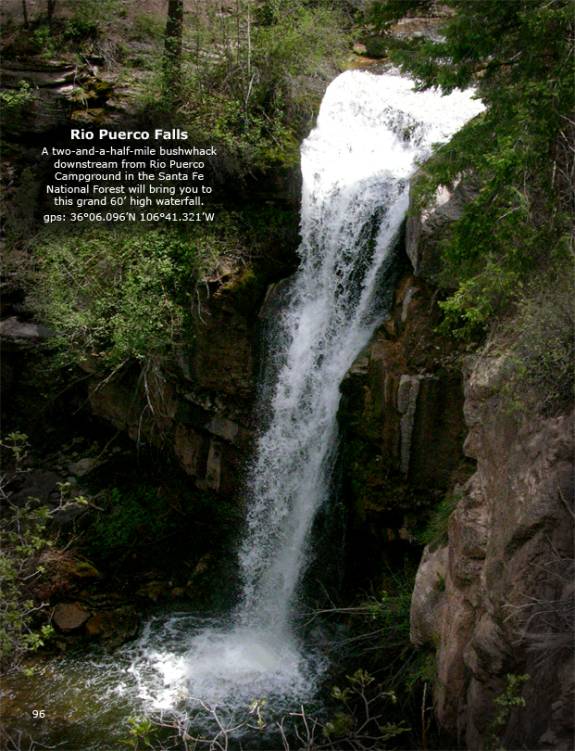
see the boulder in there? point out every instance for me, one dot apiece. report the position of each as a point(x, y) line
point(14, 328)
point(69, 616)
point(428, 597)
point(84, 466)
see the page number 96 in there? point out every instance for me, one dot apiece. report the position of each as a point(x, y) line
point(38, 714)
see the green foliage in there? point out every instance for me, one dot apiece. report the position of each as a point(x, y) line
point(389, 611)
point(17, 444)
point(141, 733)
point(421, 671)
point(381, 14)
point(146, 27)
point(519, 150)
point(22, 540)
point(43, 41)
point(114, 295)
point(133, 517)
point(119, 294)
point(435, 532)
point(358, 718)
point(15, 103)
point(89, 12)
point(78, 29)
point(380, 639)
point(539, 367)
point(381, 627)
point(508, 700)
point(246, 78)
point(74, 27)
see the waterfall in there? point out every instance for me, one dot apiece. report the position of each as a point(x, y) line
point(372, 131)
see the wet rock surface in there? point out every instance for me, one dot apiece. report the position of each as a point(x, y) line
point(402, 423)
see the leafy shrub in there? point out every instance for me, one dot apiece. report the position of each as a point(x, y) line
point(86, 11)
point(506, 702)
point(119, 294)
point(15, 100)
point(355, 722)
point(22, 540)
point(15, 103)
point(107, 293)
point(78, 29)
point(146, 27)
point(543, 345)
point(43, 41)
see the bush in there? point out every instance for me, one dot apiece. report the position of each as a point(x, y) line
point(16, 104)
point(540, 367)
point(22, 540)
point(113, 295)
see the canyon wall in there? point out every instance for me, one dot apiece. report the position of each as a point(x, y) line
point(425, 420)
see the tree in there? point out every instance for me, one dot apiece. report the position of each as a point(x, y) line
point(172, 68)
point(519, 56)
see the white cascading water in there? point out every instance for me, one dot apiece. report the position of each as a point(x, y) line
point(372, 132)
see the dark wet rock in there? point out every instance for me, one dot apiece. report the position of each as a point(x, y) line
point(402, 396)
point(63, 575)
point(70, 516)
point(154, 590)
point(113, 627)
point(38, 485)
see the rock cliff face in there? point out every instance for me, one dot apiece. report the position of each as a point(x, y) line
point(198, 407)
point(402, 409)
point(497, 600)
point(403, 429)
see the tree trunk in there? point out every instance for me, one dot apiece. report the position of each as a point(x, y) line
point(173, 50)
point(25, 13)
point(51, 5)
